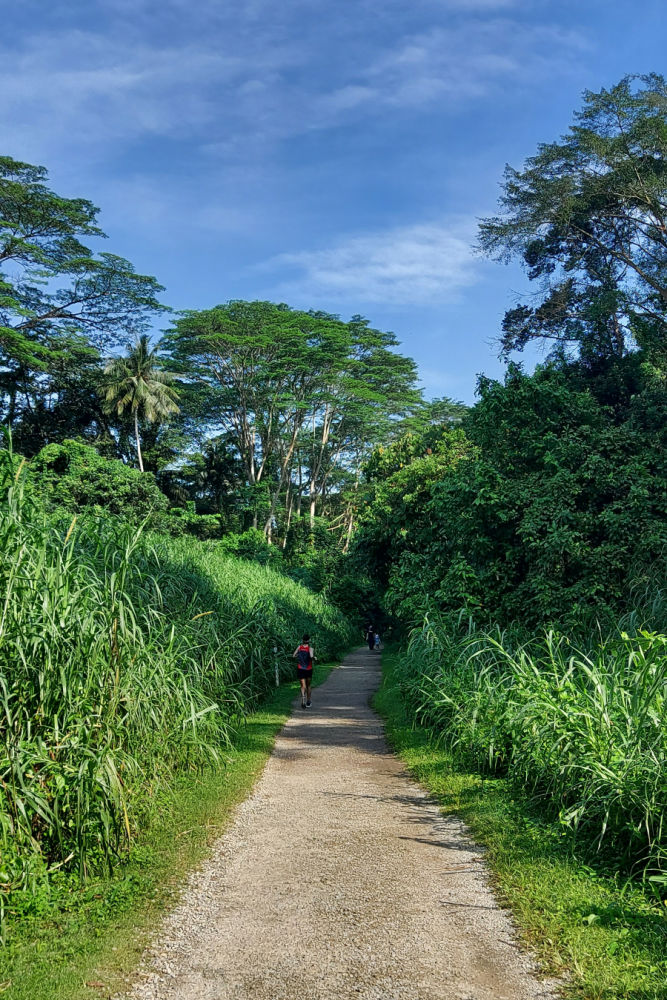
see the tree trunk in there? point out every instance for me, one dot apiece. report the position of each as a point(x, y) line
point(136, 437)
point(290, 508)
point(284, 468)
point(350, 523)
point(299, 488)
point(348, 536)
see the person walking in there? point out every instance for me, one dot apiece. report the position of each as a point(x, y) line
point(304, 655)
point(370, 636)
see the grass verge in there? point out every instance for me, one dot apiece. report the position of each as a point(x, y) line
point(87, 942)
point(608, 938)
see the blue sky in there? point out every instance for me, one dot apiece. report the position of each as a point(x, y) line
point(333, 156)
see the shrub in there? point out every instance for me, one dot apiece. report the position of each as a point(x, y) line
point(251, 544)
point(73, 476)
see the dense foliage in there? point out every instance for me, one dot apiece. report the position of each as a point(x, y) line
point(578, 728)
point(75, 477)
point(520, 544)
point(552, 505)
point(124, 658)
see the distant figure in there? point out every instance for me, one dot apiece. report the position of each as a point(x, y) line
point(304, 654)
point(377, 640)
point(370, 636)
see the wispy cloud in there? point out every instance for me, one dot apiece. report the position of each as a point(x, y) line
point(457, 64)
point(420, 264)
point(228, 84)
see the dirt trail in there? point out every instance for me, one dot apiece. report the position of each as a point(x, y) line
point(339, 879)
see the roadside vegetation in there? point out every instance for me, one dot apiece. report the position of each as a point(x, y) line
point(173, 510)
point(578, 731)
point(127, 659)
point(602, 932)
point(85, 939)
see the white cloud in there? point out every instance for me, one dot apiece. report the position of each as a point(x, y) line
point(233, 84)
point(420, 264)
point(455, 64)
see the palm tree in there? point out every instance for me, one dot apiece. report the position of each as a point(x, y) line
point(136, 382)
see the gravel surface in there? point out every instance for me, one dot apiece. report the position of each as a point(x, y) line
point(339, 879)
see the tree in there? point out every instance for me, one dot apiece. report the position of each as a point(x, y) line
point(60, 306)
point(137, 383)
point(397, 535)
point(358, 402)
point(588, 217)
point(60, 401)
point(254, 358)
point(300, 394)
point(552, 505)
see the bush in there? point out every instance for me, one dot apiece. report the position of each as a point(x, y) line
point(73, 476)
point(186, 521)
point(251, 544)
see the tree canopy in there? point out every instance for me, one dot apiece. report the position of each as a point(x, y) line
point(588, 217)
point(302, 396)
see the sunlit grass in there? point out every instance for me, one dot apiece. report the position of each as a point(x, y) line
point(126, 661)
point(600, 931)
point(95, 932)
point(579, 729)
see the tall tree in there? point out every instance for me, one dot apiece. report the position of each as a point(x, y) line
point(588, 217)
point(57, 297)
point(371, 386)
point(137, 383)
point(296, 391)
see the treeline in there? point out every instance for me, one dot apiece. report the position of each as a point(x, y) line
point(250, 415)
point(526, 547)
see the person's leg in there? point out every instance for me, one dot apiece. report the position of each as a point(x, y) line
point(302, 681)
point(308, 683)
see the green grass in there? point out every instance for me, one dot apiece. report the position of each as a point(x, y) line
point(96, 933)
point(576, 723)
point(608, 938)
point(127, 662)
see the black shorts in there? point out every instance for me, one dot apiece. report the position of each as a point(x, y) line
point(306, 674)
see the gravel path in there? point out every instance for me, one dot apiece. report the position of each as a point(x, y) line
point(339, 879)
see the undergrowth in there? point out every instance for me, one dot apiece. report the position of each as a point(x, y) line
point(127, 661)
point(603, 932)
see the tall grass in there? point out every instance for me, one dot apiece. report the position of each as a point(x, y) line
point(124, 659)
point(581, 729)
